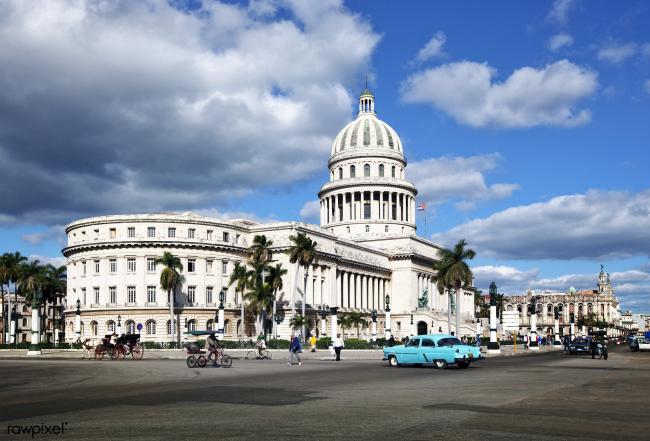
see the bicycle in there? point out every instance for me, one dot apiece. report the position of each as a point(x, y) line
point(218, 358)
point(255, 355)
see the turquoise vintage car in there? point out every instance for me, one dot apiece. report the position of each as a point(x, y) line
point(440, 350)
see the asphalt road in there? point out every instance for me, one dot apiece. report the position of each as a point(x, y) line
point(545, 396)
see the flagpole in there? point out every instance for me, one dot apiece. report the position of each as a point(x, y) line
point(425, 221)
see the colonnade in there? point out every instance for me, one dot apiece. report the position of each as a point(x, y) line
point(368, 204)
point(361, 291)
point(436, 301)
point(317, 277)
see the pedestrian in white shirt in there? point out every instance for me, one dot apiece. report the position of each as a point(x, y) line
point(338, 345)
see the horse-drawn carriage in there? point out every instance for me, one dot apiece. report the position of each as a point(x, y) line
point(119, 347)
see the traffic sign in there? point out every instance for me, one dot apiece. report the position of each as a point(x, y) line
point(510, 320)
point(139, 327)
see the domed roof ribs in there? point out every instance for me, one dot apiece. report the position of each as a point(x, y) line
point(390, 137)
point(353, 138)
point(380, 137)
point(366, 134)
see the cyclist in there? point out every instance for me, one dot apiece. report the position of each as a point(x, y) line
point(261, 346)
point(211, 346)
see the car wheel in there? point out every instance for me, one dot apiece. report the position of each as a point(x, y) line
point(440, 364)
point(392, 361)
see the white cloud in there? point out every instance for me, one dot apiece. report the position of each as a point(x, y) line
point(55, 232)
point(433, 49)
point(616, 53)
point(44, 260)
point(113, 107)
point(646, 85)
point(558, 41)
point(457, 178)
point(310, 212)
point(594, 225)
point(645, 50)
point(528, 97)
point(559, 11)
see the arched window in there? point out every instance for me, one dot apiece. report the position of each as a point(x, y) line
point(226, 326)
point(191, 325)
point(381, 170)
point(81, 324)
point(209, 325)
point(110, 326)
point(549, 309)
point(509, 308)
point(151, 327)
point(367, 228)
point(93, 328)
point(392, 172)
point(386, 229)
point(366, 170)
point(130, 326)
point(348, 229)
point(340, 172)
point(169, 327)
point(353, 171)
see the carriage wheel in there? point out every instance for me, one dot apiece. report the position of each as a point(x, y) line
point(120, 352)
point(99, 353)
point(137, 352)
point(191, 361)
point(202, 361)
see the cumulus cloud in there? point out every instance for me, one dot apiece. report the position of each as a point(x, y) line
point(646, 85)
point(558, 41)
point(310, 212)
point(616, 53)
point(632, 287)
point(595, 225)
point(44, 260)
point(457, 178)
point(112, 107)
point(55, 232)
point(559, 12)
point(433, 49)
point(467, 91)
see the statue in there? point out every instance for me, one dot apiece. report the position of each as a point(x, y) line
point(423, 301)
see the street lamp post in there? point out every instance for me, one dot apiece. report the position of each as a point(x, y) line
point(222, 297)
point(479, 331)
point(278, 319)
point(556, 342)
point(323, 320)
point(334, 319)
point(373, 315)
point(77, 322)
point(532, 344)
point(493, 345)
point(119, 324)
point(387, 326)
point(412, 333)
point(35, 345)
point(572, 326)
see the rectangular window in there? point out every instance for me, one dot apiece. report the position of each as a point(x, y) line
point(226, 236)
point(191, 294)
point(151, 232)
point(191, 265)
point(113, 265)
point(224, 267)
point(171, 232)
point(96, 288)
point(130, 264)
point(208, 294)
point(208, 235)
point(151, 294)
point(236, 238)
point(131, 232)
point(83, 265)
point(151, 264)
point(112, 233)
point(83, 294)
point(190, 233)
point(112, 294)
point(208, 266)
point(96, 266)
point(130, 294)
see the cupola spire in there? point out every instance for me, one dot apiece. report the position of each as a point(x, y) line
point(366, 100)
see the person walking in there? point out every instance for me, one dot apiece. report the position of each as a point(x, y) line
point(338, 345)
point(294, 351)
point(312, 343)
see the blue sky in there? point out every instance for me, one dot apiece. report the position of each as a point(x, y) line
point(525, 123)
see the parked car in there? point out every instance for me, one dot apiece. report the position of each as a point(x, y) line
point(640, 344)
point(439, 350)
point(578, 346)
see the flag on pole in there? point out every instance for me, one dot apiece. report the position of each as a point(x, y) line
point(421, 206)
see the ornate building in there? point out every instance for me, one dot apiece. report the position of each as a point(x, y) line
point(600, 301)
point(366, 249)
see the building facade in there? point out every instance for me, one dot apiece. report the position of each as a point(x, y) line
point(366, 249)
point(601, 301)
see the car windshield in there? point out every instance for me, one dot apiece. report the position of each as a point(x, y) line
point(415, 342)
point(450, 341)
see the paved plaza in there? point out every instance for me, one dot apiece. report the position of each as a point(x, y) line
point(544, 396)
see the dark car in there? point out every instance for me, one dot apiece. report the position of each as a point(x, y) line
point(578, 346)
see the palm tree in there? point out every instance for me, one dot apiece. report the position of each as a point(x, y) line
point(275, 280)
point(261, 249)
point(500, 299)
point(298, 321)
point(480, 304)
point(259, 300)
point(32, 279)
point(302, 253)
point(4, 280)
point(452, 272)
point(170, 279)
point(344, 323)
point(55, 287)
point(356, 319)
point(12, 263)
point(239, 278)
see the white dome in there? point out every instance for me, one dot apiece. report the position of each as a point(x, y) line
point(367, 131)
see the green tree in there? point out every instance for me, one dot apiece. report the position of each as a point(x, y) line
point(239, 278)
point(4, 280)
point(481, 305)
point(298, 321)
point(303, 254)
point(357, 320)
point(500, 299)
point(170, 280)
point(54, 288)
point(259, 300)
point(11, 272)
point(275, 280)
point(344, 323)
point(453, 272)
point(261, 249)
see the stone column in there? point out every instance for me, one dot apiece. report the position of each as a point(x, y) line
point(357, 291)
point(337, 291)
point(493, 345)
point(35, 346)
point(382, 212)
point(345, 292)
point(532, 344)
point(334, 322)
